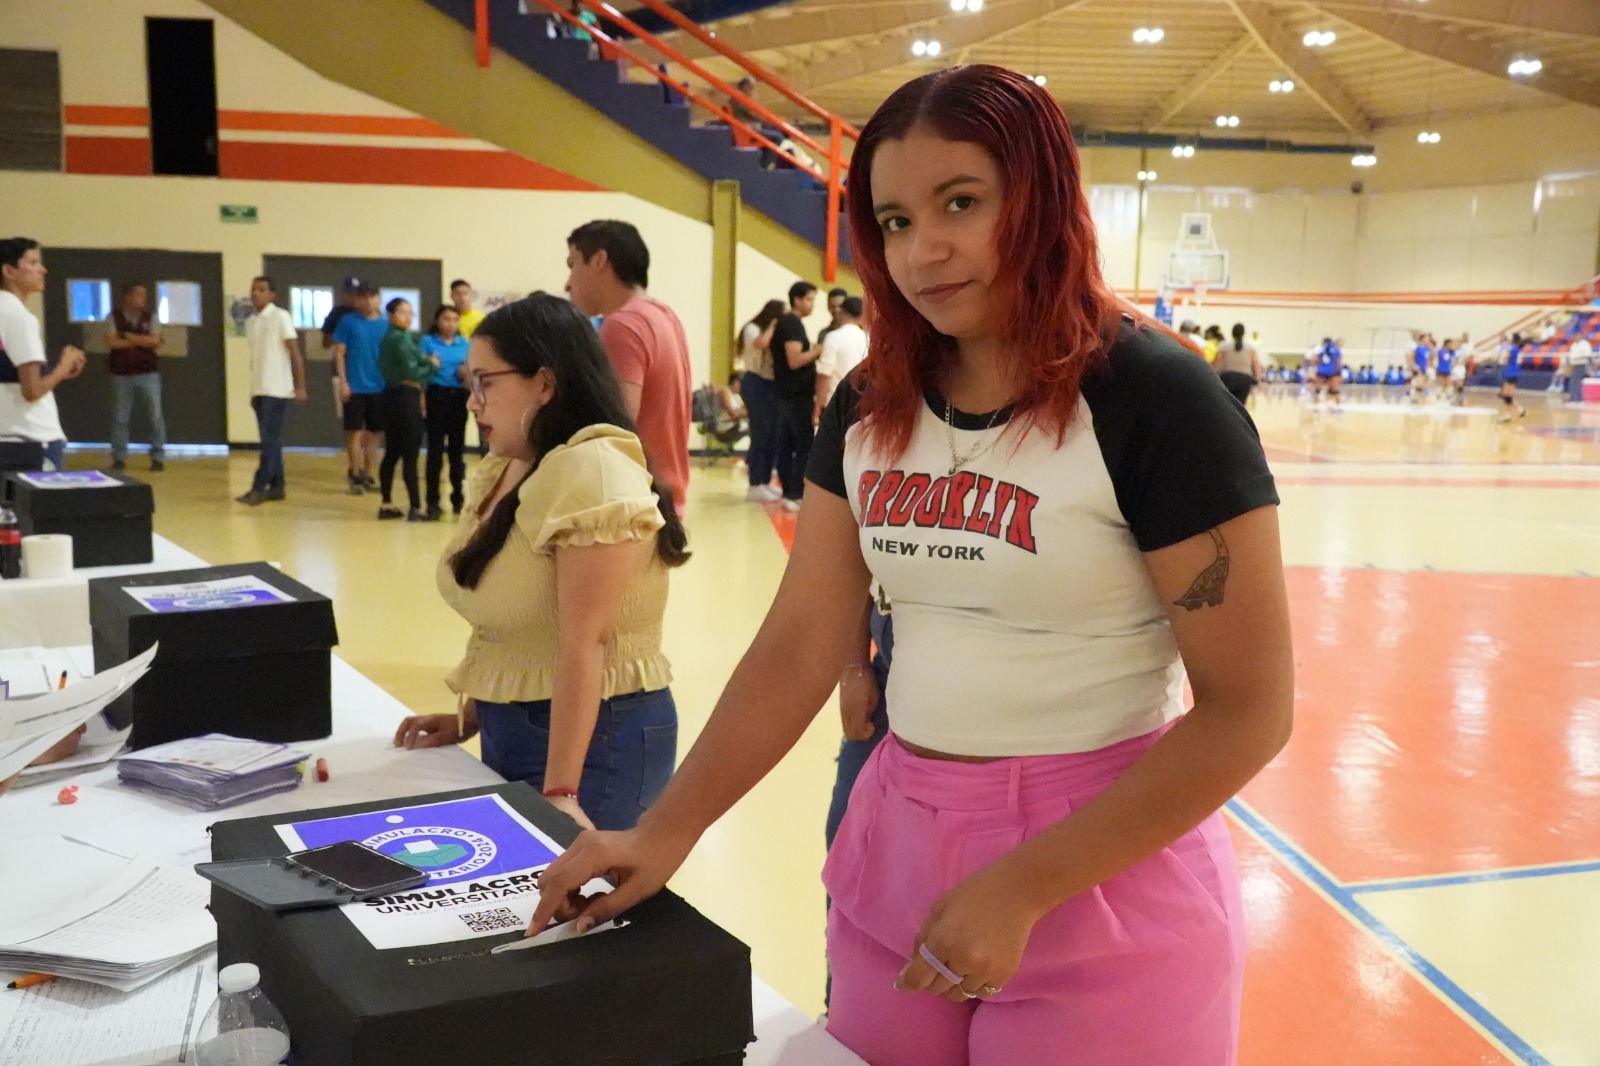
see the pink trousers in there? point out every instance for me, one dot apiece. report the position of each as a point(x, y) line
point(1145, 970)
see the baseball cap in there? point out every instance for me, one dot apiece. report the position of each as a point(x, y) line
point(354, 283)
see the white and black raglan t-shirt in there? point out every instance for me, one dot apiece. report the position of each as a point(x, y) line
point(1025, 620)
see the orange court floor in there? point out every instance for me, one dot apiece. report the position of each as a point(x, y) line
point(1421, 865)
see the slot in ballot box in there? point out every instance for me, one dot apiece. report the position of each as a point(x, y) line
point(244, 651)
point(107, 515)
point(667, 989)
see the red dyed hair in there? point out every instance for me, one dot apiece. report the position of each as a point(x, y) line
point(1060, 313)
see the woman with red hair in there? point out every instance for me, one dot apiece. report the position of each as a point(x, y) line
point(1071, 516)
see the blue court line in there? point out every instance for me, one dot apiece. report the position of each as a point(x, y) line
point(1481, 877)
point(1340, 894)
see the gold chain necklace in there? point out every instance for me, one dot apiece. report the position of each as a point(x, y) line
point(957, 460)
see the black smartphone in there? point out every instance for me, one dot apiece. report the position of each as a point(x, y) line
point(362, 871)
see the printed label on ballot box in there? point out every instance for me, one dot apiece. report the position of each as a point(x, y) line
point(482, 860)
point(209, 595)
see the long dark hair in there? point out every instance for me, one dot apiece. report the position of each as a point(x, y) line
point(433, 326)
point(770, 312)
point(547, 333)
point(1238, 336)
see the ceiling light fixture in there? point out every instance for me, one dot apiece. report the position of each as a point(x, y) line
point(970, 6)
point(1147, 175)
point(1428, 137)
point(1149, 35)
point(1523, 66)
point(1182, 151)
point(1039, 79)
point(920, 47)
point(1318, 39)
point(1364, 161)
point(1284, 86)
point(1227, 120)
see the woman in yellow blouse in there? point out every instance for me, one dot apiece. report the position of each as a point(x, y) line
point(561, 567)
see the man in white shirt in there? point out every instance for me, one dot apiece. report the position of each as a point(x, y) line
point(277, 375)
point(27, 388)
point(842, 350)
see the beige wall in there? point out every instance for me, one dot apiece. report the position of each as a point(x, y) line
point(103, 59)
point(1499, 148)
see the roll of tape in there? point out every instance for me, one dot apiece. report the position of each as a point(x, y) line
point(47, 555)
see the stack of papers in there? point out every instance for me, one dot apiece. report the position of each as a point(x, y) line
point(213, 771)
point(29, 727)
point(148, 920)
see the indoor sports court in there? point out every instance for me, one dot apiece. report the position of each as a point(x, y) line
point(1420, 866)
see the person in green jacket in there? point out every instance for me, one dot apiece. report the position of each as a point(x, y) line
point(406, 372)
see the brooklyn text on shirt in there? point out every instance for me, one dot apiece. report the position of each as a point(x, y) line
point(962, 501)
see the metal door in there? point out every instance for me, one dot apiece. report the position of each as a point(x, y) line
point(82, 287)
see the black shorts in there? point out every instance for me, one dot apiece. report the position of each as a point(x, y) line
point(362, 411)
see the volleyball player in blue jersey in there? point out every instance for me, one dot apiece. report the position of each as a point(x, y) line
point(1330, 368)
point(1510, 374)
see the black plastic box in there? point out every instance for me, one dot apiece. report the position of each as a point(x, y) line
point(260, 671)
point(20, 455)
point(109, 525)
point(669, 989)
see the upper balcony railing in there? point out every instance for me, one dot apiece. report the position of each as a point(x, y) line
point(752, 123)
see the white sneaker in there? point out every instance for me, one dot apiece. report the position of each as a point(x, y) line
point(790, 505)
point(763, 494)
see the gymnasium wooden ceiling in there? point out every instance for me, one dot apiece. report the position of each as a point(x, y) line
point(1392, 63)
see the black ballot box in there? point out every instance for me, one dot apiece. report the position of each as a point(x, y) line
point(19, 455)
point(245, 650)
point(668, 989)
point(107, 515)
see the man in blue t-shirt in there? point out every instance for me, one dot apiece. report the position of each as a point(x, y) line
point(358, 384)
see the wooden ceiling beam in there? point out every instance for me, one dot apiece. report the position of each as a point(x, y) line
point(953, 32)
point(1424, 37)
point(1570, 18)
point(1218, 65)
point(786, 28)
point(1280, 42)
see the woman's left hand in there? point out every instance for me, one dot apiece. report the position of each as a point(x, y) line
point(569, 806)
point(979, 930)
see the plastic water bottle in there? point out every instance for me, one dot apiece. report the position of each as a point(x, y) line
point(10, 544)
point(242, 1028)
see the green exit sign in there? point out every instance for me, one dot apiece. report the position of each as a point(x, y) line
point(240, 213)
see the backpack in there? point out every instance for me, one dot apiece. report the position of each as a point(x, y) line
point(705, 405)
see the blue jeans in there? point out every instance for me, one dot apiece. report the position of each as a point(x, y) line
point(55, 453)
point(270, 414)
point(630, 756)
point(853, 753)
point(123, 389)
point(760, 401)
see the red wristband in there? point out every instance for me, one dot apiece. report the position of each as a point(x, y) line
point(552, 793)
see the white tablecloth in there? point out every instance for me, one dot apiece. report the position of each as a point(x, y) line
point(54, 612)
point(363, 766)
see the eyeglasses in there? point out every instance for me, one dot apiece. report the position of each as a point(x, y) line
point(476, 379)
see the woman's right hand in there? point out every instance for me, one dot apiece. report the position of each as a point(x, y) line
point(427, 731)
point(637, 861)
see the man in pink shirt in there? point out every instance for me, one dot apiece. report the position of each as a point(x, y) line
point(609, 271)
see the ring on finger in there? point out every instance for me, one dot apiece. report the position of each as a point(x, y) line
point(992, 990)
point(943, 971)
